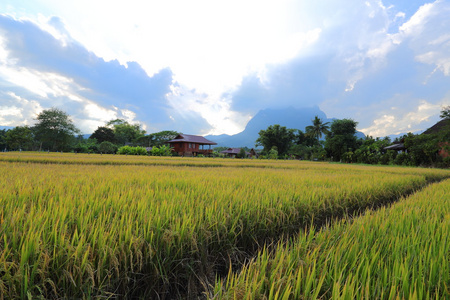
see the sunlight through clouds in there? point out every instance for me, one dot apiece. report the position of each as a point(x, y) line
point(209, 66)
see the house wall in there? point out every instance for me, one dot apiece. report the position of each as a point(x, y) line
point(185, 148)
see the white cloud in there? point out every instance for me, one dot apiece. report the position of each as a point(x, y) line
point(441, 60)
point(427, 33)
point(210, 46)
point(400, 15)
point(16, 110)
point(396, 120)
point(216, 112)
point(43, 84)
point(415, 25)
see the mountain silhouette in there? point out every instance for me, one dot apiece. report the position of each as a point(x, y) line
point(289, 117)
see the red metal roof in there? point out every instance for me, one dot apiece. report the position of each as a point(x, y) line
point(188, 138)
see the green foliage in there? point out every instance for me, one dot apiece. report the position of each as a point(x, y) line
point(347, 157)
point(317, 129)
point(422, 149)
point(302, 151)
point(107, 147)
point(128, 150)
point(372, 151)
point(54, 130)
point(276, 136)
point(305, 139)
point(102, 134)
point(445, 113)
point(126, 133)
point(160, 138)
point(85, 145)
point(20, 137)
point(388, 157)
point(242, 153)
point(403, 159)
point(163, 150)
point(341, 138)
point(3, 144)
point(273, 153)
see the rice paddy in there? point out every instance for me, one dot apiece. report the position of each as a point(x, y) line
point(105, 226)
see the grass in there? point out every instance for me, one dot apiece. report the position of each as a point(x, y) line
point(397, 252)
point(92, 226)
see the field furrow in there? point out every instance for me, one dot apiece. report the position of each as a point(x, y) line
point(397, 252)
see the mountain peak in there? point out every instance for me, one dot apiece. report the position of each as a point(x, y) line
point(290, 117)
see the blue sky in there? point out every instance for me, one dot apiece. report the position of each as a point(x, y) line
point(208, 66)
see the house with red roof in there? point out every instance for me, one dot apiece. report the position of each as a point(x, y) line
point(191, 145)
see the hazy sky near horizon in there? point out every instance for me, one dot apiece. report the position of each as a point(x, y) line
point(206, 66)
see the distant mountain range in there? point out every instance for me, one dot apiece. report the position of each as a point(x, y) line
point(289, 117)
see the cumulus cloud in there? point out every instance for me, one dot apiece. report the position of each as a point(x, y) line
point(354, 59)
point(416, 115)
point(15, 110)
point(370, 59)
point(53, 69)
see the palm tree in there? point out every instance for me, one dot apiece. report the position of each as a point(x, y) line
point(317, 128)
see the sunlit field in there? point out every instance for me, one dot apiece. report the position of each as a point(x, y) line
point(399, 252)
point(96, 226)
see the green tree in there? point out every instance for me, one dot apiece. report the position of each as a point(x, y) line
point(445, 113)
point(341, 138)
point(273, 153)
point(157, 139)
point(242, 153)
point(305, 139)
point(54, 130)
point(103, 134)
point(20, 137)
point(422, 149)
point(3, 144)
point(317, 129)
point(83, 145)
point(371, 151)
point(163, 150)
point(128, 150)
point(107, 147)
point(278, 136)
point(126, 133)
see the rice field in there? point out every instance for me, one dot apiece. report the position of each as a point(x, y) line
point(108, 226)
point(398, 252)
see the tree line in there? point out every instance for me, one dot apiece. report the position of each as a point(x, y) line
point(336, 141)
point(340, 144)
point(55, 131)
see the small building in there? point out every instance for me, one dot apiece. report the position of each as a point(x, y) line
point(231, 152)
point(252, 153)
point(191, 145)
point(399, 147)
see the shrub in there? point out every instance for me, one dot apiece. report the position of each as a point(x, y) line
point(107, 147)
point(403, 159)
point(163, 150)
point(132, 150)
